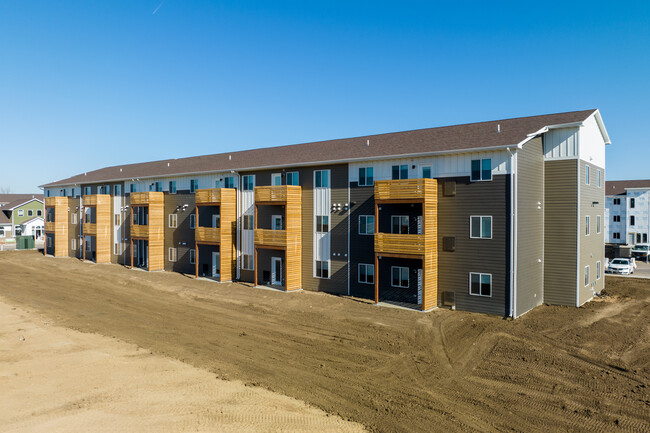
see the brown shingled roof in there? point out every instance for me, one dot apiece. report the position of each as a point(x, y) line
point(444, 139)
point(617, 187)
point(6, 199)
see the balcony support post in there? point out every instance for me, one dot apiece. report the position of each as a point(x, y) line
point(376, 279)
point(196, 260)
point(255, 266)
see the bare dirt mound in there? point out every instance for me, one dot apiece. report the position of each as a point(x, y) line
point(554, 369)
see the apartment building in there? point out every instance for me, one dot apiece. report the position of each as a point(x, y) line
point(494, 217)
point(627, 211)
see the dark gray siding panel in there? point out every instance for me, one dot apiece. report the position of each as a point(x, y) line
point(560, 227)
point(592, 246)
point(181, 237)
point(74, 230)
point(490, 256)
point(362, 247)
point(530, 226)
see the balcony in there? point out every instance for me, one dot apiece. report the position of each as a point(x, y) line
point(388, 243)
point(138, 231)
point(277, 194)
point(208, 234)
point(407, 190)
point(214, 196)
point(146, 198)
point(90, 229)
point(50, 226)
point(270, 238)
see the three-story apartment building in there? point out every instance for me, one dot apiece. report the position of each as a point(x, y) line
point(627, 211)
point(495, 217)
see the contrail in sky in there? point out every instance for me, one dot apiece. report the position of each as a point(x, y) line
point(159, 6)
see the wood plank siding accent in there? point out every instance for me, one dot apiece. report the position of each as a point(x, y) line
point(154, 232)
point(224, 235)
point(290, 239)
point(424, 246)
point(530, 226)
point(60, 225)
point(101, 229)
point(560, 231)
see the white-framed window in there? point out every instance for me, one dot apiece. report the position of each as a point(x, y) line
point(598, 178)
point(117, 249)
point(247, 262)
point(117, 190)
point(480, 227)
point(366, 273)
point(30, 212)
point(248, 182)
point(194, 185)
point(39, 212)
point(276, 222)
point(587, 175)
point(172, 187)
point(192, 256)
point(229, 182)
point(366, 177)
point(117, 219)
point(322, 269)
point(586, 276)
point(172, 254)
point(598, 270)
point(322, 223)
point(321, 178)
point(399, 224)
point(248, 222)
point(617, 201)
point(2, 232)
point(73, 244)
point(587, 225)
point(173, 220)
point(400, 172)
point(276, 179)
point(399, 276)
point(366, 224)
point(616, 218)
point(73, 218)
point(632, 220)
point(292, 178)
point(481, 169)
point(21, 212)
point(480, 284)
point(597, 223)
point(426, 171)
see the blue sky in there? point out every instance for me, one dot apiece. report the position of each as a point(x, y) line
point(87, 84)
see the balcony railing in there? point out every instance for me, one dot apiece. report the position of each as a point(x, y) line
point(272, 238)
point(138, 231)
point(146, 198)
point(389, 243)
point(208, 196)
point(276, 193)
point(50, 226)
point(406, 189)
point(90, 229)
point(208, 234)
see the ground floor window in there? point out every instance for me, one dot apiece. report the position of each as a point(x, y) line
point(247, 262)
point(322, 269)
point(480, 284)
point(400, 276)
point(192, 257)
point(586, 275)
point(172, 254)
point(598, 270)
point(616, 235)
point(73, 244)
point(366, 273)
point(2, 232)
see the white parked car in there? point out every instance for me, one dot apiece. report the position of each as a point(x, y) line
point(621, 266)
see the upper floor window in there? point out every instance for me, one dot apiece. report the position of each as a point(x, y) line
point(276, 222)
point(597, 223)
point(322, 178)
point(366, 224)
point(39, 212)
point(616, 235)
point(117, 190)
point(248, 222)
point(276, 179)
point(616, 218)
point(631, 203)
point(86, 190)
point(248, 182)
point(133, 187)
point(587, 225)
point(632, 221)
point(586, 275)
point(229, 182)
point(399, 224)
point(322, 223)
point(173, 220)
point(481, 169)
point(400, 172)
point(587, 175)
point(366, 273)
point(30, 212)
point(192, 220)
point(480, 227)
point(47, 193)
point(426, 172)
point(194, 184)
point(598, 178)
point(64, 193)
point(366, 176)
point(617, 201)
point(292, 178)
point(172, 187)
point(21, 212)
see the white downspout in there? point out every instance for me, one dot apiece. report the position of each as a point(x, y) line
point(513, 233)
point(238, 244)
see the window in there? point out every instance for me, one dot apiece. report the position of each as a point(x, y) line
point(322, 269)
point(322, 224)
point(2, 232)
point(598, 178)
point(400, 276)
point(400, 172)
point(276, 179)
point(117, 190)
point(631, 203)
point(645, 238)
point(192, 257)
point(248, 222)
point(49, 214)
point(617, 218)
point(47, 193)
point(172, 187)
point(587, 175)
point(276, 222)
point(249, 182)
point(426, 172)
point(30, 212)
point(194, 184)
point(158, 186)
point(322, 178)
point(480, 227)
point(638, 238)
point(63, 192)
point(73, 244)
point(292, 178)
point(86, 190)
point(366, 273)
point(192, 221)
point(597, 223)
point(587, 225)
point(632, 220)
point(366, 224)
point(73, 218)
point(39, 212)
point(481, 169)
point(229, 182)
point(21, 212)
point(586, 275)
point(247, 262)
point(173, 220)
point(597, 270)
point(480, 284)
point(117, 250)
point(617, 201)
point(172, 254)
point(366, 176)
point(399, 224)
point(132, 187)
point(117, 220)
point(616, 235)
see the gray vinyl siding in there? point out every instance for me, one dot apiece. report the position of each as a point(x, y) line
point(592, 247)
point(560, 231)
point(362, 247)
point(530, 226)
point(491, 256)
point(181, 237)
point(74, 230)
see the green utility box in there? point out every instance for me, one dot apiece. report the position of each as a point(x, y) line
point(25, 242)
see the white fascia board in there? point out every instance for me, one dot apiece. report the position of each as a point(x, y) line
point(546, 129)
point(26, 202)
point(601, 126)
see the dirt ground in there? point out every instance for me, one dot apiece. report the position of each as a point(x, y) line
point(554, 369)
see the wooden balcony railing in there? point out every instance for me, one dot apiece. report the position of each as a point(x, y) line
point(208, 196)
point(406, 189)
point(50, 226)
point(138, 231)
point(389, 243)
point(277, 193)
point(90, 229)
point(272, 238)
point(207, 234)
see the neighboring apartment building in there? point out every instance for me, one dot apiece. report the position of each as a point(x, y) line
point(21, 214)
point(495, 217)
point(627, 211)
